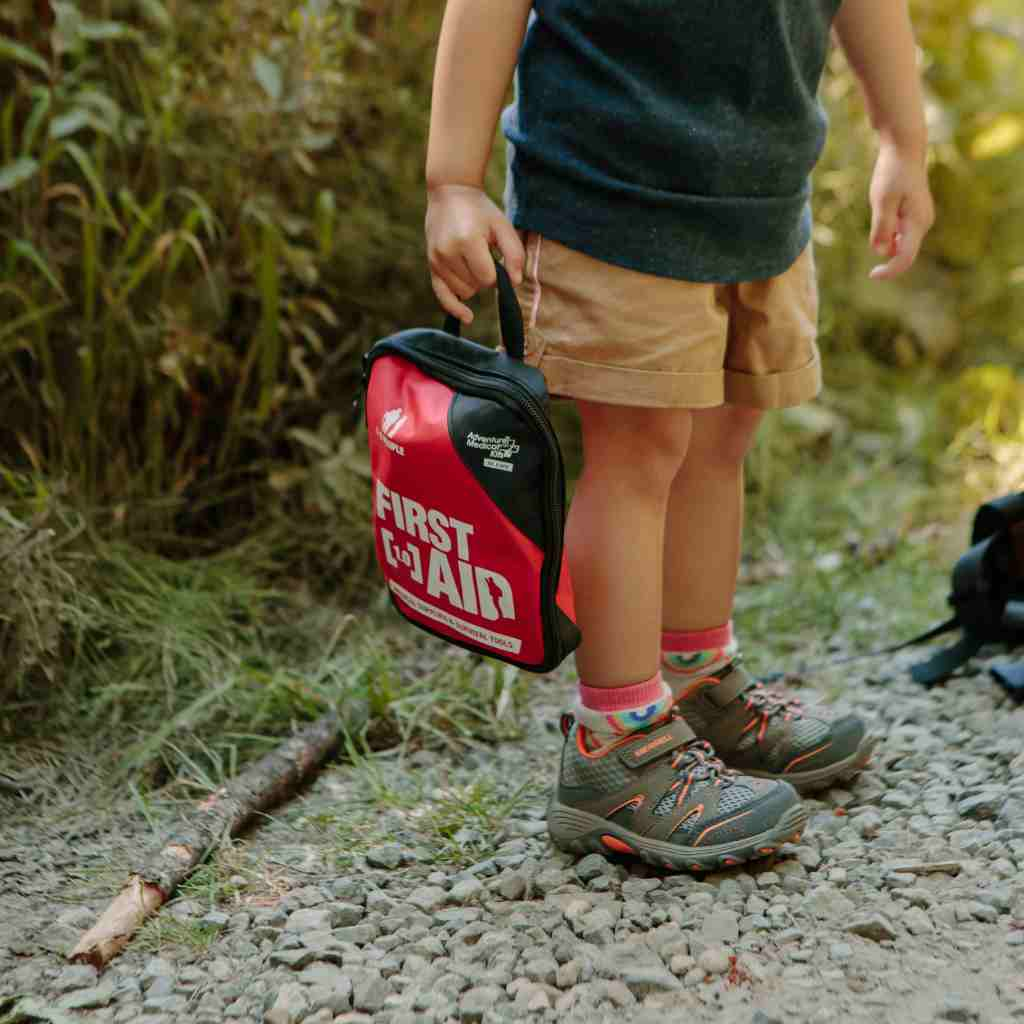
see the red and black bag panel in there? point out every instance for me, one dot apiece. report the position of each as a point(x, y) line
point(469, 497)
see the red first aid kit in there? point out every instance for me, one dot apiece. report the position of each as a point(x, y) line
point(469, 491)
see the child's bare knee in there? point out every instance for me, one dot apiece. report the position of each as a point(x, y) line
point(725, 435)
point(650, 443)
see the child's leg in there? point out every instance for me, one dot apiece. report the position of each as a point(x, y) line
point(615, 537)
point(753, 730)
point(614, 542)
point(705, 520)
point(633, 777)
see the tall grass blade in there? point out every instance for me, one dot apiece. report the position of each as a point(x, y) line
point(10, 50)
point(18, 324)
point(268, 339)
point(34, 121)
point(191, 714)
point(27, 251)
point(88, 169)
point(17, 172)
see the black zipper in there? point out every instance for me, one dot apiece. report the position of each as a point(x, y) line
point(456, 375)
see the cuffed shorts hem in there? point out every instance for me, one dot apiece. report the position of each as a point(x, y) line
point(774, 390)
point(651, 389)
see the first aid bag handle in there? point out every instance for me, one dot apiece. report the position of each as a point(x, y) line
point(509, 315)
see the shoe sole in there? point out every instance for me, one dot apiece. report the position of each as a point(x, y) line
point(822, 778)
point(579, 832)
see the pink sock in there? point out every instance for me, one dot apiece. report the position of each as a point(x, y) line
point(689, 654)
point(611, 711)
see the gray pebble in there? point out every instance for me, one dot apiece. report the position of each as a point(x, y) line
point(957, 1010)
point(289, 1007)
point(592, 866)
point(465, 891)
point(840, 952)
point(476, 1001)
point(388, 857)
point(88, 998)
point(714, 960)
point(76, 976)
point(427, 897)
point(871, 926)
point(511, 885)
point(917, 921)
point(721, 926)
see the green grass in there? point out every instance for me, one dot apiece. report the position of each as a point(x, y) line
point(162, 932)
point(482, 807)
point(178, 674)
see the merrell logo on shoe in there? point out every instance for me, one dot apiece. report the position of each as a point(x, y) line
point(660, 741)
point(390, 423)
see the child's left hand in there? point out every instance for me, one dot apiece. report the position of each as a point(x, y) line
point(901, 209)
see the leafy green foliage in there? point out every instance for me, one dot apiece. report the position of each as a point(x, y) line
point(207, 218)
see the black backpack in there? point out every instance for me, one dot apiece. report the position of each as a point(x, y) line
point(987, 597)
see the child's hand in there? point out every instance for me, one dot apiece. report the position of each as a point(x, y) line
point(901, 209)
point(461, 226)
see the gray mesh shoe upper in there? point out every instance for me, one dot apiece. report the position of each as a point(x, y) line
point(757, 729)
point(663, 783)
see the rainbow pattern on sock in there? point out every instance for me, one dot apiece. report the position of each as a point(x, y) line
point(621, 722)
point(693, 653)
point(610, 712)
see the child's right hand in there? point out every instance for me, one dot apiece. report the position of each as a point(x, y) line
point(462, 225)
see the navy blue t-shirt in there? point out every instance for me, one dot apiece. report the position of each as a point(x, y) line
point(675, 137)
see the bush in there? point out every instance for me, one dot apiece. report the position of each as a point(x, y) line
point(207, 219)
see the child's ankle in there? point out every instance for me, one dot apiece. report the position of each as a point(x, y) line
point(691, 654)
point(611, 712)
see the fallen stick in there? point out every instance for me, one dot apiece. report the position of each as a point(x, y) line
point(224, 813)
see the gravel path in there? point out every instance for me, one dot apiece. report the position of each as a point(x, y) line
point(427, 892)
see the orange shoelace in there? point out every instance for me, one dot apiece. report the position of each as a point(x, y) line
point(765, 705)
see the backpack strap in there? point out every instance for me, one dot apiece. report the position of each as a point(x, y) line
point(1011, 678)
point(947, 661)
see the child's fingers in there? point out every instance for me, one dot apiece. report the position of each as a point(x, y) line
point(454, 272)
point(511, 246)
point(906, 243)
point(885, 215)
point(449, 301)
point(480, 262)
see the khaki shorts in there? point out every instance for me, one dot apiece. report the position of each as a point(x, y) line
point(604, 333)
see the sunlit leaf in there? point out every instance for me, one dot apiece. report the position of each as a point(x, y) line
point(1004, 134)
point(155, 13)
point(326, 217)
point(317, 141)
point(268, 74)
point(67, 124)
point(67, 34)
point(10, 50)
point(106, 30)
point(34, 122)
point(310, 440)
point(100, 103)
point(17, 172)
point(27, 251)
point(12, 327)
point(86, 166)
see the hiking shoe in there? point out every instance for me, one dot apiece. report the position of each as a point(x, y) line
point(662, 795)
point(772, 735)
